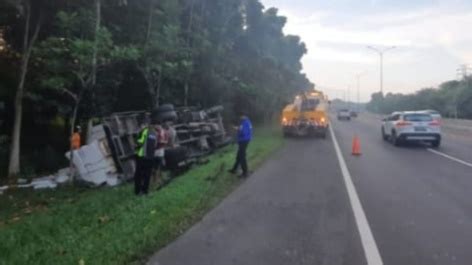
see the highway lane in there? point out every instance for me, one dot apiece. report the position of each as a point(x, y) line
point(418, 204)
point(295, 208)
point(292, 210)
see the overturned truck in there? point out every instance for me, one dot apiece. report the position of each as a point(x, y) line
point(108, 157)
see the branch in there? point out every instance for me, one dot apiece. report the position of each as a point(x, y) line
point(72, 95)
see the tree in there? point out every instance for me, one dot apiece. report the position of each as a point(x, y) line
point(84, 50)
point(31, 12)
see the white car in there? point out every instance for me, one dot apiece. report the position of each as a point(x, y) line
point(344, 114)
point(411, 126)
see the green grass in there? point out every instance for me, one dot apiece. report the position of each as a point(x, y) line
point(111, 225)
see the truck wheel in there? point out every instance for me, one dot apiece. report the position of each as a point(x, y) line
point(167, 116)
point(164, 108)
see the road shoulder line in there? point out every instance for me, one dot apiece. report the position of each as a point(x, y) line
point(450, 157)
point(369, 245)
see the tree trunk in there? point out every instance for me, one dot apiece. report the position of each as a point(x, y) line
point(14, 160)
point(186, 94)
point(98, 14)
point(149, 24)
point(158, 88)
point(85, 84)
point(71, 132)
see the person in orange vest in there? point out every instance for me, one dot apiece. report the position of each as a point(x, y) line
point(75, 139)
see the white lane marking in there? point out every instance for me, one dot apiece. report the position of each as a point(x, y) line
point(371, 250)
point(450, 157)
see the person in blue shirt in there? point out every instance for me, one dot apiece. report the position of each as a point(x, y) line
point(244, 137)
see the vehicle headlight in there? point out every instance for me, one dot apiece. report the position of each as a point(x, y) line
point(323, 120)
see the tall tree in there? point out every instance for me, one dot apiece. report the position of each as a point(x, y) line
point(31, 12)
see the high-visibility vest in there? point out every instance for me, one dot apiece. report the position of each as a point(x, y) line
point(75, 141)
point(142, 141)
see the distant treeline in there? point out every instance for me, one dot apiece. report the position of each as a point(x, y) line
point(452, 99)
point(101, 56)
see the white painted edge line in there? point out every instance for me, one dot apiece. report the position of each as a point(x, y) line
point(450, 157)
point(371, 250)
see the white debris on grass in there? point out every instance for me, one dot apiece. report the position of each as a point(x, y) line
point(22, 181)
point(113, 180)
point(44, 183)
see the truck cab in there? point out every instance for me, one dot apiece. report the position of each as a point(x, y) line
point(306, 116)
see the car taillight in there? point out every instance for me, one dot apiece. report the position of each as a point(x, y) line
point(435, 123)
point(402, 124)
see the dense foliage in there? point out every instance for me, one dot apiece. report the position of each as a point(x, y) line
point(451, 99)
point(103, 56)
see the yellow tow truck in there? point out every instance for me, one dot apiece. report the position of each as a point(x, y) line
point(307, 115)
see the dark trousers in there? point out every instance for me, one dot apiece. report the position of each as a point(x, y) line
point(142, 175)
point(241, 157)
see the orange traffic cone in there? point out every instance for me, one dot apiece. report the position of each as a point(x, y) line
point(356, 146)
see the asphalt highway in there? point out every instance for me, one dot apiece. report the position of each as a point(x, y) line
point(315, 203)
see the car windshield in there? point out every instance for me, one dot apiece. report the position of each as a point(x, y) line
point(417, 117)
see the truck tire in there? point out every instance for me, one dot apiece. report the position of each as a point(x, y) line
point(167, 116)
point(175, 156)
point(164, 108)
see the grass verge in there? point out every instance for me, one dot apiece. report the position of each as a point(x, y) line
point(111, 225)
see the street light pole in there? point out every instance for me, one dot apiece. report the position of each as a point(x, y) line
point(381, 55)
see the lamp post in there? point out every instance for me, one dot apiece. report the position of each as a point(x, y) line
point(381, 54)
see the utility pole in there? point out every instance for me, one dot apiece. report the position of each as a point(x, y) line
point(381, 55)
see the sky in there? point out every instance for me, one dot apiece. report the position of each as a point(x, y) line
point(431, 38)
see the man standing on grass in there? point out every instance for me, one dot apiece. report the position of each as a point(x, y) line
point(147, 142)
point(244, 137)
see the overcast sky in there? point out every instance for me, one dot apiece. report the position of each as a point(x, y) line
point(432, 38)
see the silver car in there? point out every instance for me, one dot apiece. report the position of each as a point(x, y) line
point(344, 114)
point(411, 126)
